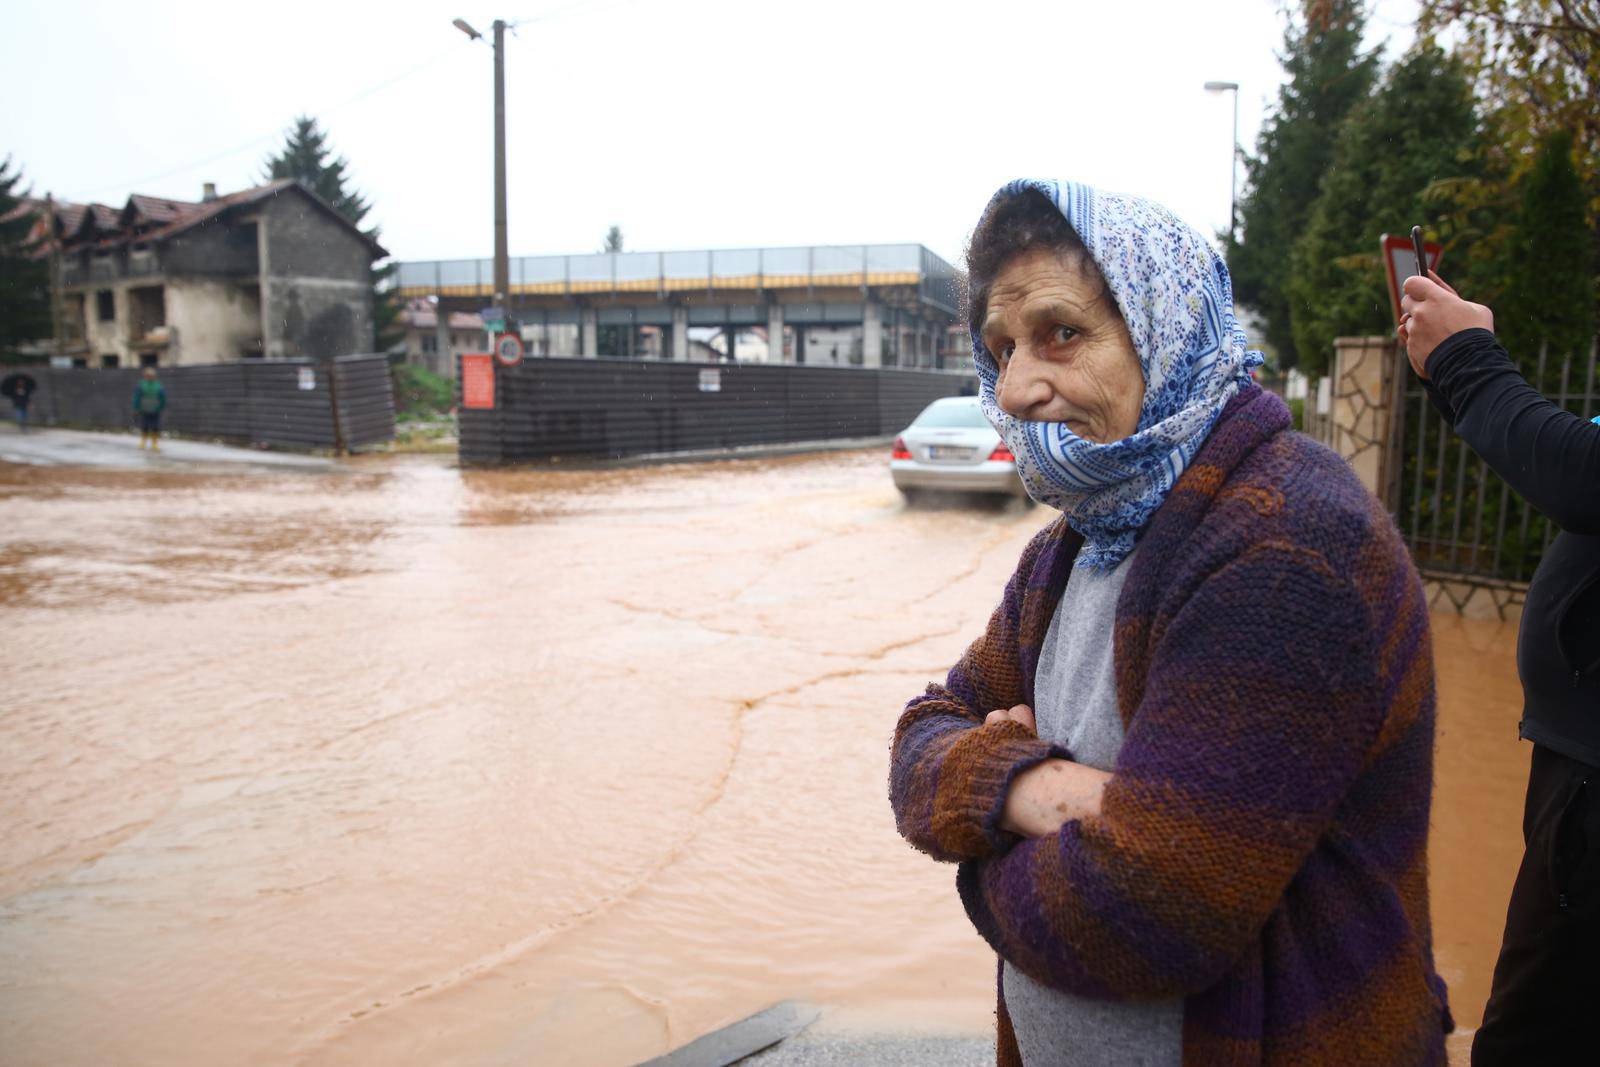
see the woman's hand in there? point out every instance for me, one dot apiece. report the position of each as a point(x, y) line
point(1430, 311)
point(1048, 795)
point(1019, 713)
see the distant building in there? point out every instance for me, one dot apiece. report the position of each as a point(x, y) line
point(271, 272)
point(861, 305)
point(426, 345)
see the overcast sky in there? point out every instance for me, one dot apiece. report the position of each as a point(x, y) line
point(689, 123)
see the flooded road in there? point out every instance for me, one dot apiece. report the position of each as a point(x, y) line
point(402, 764)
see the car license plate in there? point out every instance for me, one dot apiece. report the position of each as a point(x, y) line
point(948, 452)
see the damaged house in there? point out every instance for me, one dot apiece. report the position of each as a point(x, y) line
point(271, 272)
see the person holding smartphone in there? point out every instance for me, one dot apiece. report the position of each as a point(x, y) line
point(1541, 1004)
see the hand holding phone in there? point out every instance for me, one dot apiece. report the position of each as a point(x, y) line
point(1422, 255)
point(1432, 311)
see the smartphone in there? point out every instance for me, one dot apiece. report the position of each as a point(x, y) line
point(1422, 256)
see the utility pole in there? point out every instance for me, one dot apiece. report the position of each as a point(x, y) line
point(1233, 176)
point(502, 261)
point(1233, 162)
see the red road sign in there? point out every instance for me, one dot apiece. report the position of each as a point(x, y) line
point(477, 380)
point(1400, 262)
point(508, 349)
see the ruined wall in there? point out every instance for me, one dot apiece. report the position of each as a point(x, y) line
point(214, 248)
point(107, 338)
point(317, 289)
point(213, 321)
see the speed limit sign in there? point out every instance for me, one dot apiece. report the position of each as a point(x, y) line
point(508, 349)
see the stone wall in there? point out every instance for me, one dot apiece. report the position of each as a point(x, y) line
point(1364, 377)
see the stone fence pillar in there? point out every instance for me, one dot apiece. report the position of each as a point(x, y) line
point(1366, 380)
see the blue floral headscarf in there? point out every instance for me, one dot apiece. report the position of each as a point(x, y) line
point(1175, 295)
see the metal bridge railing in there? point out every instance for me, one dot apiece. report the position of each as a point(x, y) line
point(723, 268)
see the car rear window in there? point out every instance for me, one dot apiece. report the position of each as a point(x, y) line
point(950, 416)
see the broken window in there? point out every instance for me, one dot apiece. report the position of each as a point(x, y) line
point(147, 308)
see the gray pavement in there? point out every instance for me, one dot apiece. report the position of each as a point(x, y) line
point(881, 1050)
point(48, 447)
point(784, 1036)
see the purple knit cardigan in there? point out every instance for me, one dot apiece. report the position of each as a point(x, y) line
point(1261, 849)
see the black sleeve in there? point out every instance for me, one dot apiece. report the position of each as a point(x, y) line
point(1549, 456)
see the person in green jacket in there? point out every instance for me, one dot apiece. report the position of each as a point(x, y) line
point(149, 398)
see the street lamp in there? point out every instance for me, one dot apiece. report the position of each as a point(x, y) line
point(1233, 161)
point(502, 261)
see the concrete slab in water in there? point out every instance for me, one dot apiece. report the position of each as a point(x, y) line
point(733, 1043)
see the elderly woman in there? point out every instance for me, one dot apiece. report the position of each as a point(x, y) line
point(1187, 768)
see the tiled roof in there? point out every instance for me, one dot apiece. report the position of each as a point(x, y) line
point(155, 218)
point(419, 314)
point(156, 210)
point(212, 208)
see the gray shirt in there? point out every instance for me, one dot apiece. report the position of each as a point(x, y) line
point(1075, 697)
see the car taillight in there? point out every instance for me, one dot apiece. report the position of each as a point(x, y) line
point(1001, 454)
point(900, 449)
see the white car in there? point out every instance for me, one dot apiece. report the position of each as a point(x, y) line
point(952, 446)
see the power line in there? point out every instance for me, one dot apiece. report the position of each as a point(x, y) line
point(582, 7)
point(274, 133)
point(546, 16)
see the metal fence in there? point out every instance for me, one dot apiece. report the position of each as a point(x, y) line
point(283, 403)
point(1459, 517)
point(605, 408)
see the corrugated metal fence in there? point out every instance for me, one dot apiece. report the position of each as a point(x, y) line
point(285, 403)
point(614, 407)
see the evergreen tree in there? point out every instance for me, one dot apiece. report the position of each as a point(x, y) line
point(307, 156)
point(24, 274)
point(613, 240)
point(1327, 76)
point(1550, 295)
point(1419, 128)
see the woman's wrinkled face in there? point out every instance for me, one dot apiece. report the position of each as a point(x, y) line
point(1063, 351)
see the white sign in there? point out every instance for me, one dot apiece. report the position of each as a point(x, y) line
point(711, 380)
point(1324, 396)
point(308, 378)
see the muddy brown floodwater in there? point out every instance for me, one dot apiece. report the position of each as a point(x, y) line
point(400, 764)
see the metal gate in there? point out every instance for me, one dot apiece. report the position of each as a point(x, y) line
point(1461, 520)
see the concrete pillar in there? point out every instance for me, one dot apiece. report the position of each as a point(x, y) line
point(680, 334)
point(775, 353)
point(589, 327)
point(1365, 374)
point(443, 361)
point(264, 285)
point(871, 335)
